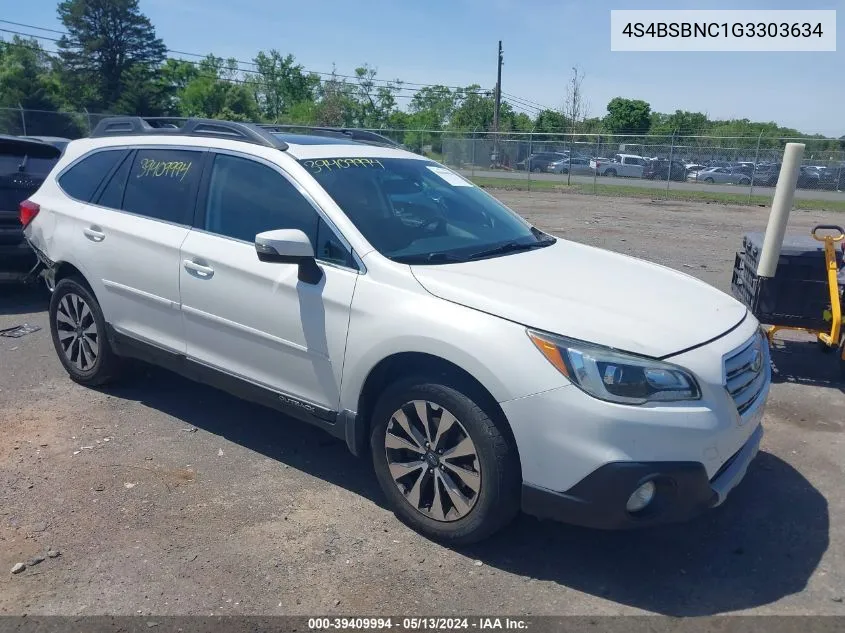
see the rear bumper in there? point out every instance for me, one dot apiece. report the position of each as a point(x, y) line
point(683, 492)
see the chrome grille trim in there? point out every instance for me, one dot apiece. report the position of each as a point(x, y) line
point(742, 381)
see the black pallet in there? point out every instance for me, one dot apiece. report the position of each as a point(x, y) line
point(797, 295)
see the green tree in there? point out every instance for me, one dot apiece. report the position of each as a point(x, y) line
point(475, 110)
point(551, 121)
point(627, 116)
point(28, 80)
point(217, 92)
point(109, 42)
point(279, 84)
point(681, 122)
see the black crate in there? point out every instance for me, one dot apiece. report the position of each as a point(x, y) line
point(797, 295)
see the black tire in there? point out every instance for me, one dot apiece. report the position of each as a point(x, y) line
point(745, 182)
point(709, 181)
point(498, 499)
point(611, 173)
point(106, 363)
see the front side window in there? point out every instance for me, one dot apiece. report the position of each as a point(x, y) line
point(83, 179)
point(246, 198)
point(162, 184)
point(416, 211)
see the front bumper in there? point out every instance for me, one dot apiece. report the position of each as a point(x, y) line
point(683, 491)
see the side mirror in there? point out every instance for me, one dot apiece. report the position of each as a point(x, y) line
point(289, 246)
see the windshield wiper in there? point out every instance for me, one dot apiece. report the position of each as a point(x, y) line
point(429, 258)
point(511, 247)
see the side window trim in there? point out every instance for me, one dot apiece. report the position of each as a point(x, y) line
point(98, 192)
point(202, 197)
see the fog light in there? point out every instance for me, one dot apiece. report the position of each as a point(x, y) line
point(641, 498)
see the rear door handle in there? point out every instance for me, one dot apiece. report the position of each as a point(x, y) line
point(94, 234)
point(205, 272)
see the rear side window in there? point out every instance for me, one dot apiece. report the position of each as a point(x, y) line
point(162, 184)
point(83, 179)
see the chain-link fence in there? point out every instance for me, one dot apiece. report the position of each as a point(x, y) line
point(728, 169)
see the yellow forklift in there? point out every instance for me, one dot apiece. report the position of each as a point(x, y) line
point(800, 296)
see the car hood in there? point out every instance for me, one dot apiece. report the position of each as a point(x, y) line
point(590, 294)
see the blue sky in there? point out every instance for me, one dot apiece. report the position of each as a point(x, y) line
point(454, 42)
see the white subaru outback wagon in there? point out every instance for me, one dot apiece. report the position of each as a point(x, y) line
point(483, 365)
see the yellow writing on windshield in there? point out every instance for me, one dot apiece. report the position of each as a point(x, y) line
point(341, 163)
point(164, 169)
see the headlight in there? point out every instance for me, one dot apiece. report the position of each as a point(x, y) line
point(615, 376)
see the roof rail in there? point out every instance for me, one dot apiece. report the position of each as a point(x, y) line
point(175, 126)
point(355, 134)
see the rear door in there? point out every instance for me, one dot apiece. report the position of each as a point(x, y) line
point(133, 231)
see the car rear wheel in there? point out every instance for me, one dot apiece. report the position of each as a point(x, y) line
point(79, 334)
point(444, 465)
point(709, 181)
point(610, 173)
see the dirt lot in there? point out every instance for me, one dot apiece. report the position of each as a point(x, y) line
point(167, 497)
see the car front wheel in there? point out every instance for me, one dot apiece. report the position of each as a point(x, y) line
point(79, 334)
point(448, 470)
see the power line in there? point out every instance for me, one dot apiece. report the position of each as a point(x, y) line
point(539, 106)
point(253, 64)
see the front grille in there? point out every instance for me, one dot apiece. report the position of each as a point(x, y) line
point(745, 372)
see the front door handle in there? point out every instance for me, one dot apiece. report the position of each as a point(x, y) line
point(94, 234)
point(204, 272)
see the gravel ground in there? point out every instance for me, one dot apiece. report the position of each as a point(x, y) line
point(166, 497)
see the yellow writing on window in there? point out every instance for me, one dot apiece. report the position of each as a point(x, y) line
point(164, 169)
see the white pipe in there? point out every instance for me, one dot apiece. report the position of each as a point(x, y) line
point(781, 206)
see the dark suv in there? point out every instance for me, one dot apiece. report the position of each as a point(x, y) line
point(24, 164)
point(540, 161)
point(659, 170)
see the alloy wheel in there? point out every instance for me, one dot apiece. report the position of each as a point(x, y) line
point(77, 332)
point(433, 460)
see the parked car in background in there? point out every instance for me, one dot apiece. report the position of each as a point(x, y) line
point(24, 164)
point(540, 161)
point(833, 177)
point(717, 163)
point(625, 165)
point(575, 165)
point(745, 167)
point(56, 141)
point(766, 174)
point(809, 177)
point(659, 170)
point(721, 175)
point(693, 167)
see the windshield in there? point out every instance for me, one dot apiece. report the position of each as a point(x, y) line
point(416, 211)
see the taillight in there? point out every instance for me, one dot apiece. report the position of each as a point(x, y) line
point(27, 212)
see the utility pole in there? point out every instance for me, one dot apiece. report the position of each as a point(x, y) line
point(496, 106)
point(498, 91)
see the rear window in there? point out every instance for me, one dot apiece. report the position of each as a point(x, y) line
point(83, 179)
point(26, 157)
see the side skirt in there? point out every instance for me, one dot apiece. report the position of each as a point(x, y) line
point(326, 419)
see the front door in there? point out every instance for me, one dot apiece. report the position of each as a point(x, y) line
point(257, 320)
